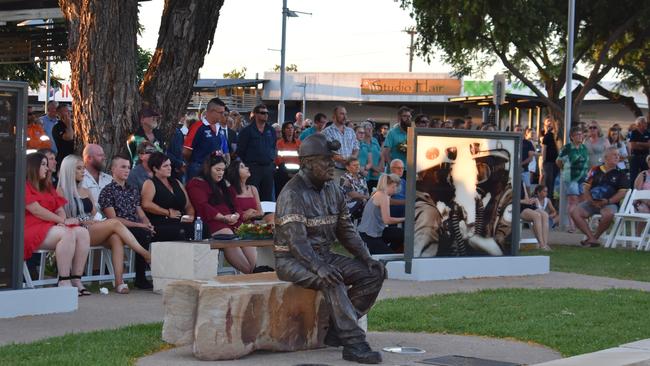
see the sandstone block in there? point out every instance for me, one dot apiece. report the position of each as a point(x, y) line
point(236, 315)
point(241, 314)
point(182, 261)
point(179, 300)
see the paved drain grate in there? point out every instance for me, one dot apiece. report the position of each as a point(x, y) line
point(465, 361)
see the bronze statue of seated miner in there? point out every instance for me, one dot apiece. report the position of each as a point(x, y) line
point(311, 214)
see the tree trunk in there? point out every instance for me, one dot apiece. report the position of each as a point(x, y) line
point(101, 50)
point(175, 65)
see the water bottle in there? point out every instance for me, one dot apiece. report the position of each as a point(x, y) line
point(198, 229)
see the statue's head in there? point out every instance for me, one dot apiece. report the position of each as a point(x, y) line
point(316, 161)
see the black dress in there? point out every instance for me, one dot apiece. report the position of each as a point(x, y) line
point(169, 229)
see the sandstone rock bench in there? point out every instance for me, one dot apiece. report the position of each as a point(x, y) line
point(232, 316)
point(198, 260)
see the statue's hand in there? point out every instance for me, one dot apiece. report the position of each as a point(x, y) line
point(330, 275)
point(374, 265)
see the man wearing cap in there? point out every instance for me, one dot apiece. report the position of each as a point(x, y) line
point(148, 131)
point(311, 214)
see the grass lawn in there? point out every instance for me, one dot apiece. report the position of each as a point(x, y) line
point(615, 263)
point(107, 347)
point(570, 321)
point(567, 320)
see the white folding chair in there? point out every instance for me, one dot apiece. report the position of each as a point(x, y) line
point(630, 215)
point(608, 234)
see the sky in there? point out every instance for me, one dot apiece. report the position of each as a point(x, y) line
point(339, 36)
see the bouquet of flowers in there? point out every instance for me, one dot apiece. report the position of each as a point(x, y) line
point(402, 147)
point(255, 231)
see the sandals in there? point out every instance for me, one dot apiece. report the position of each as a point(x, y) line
point(62, 278)
point(589, 244)
point(122, 288)
point(82, 290)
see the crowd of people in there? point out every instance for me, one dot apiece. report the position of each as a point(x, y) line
point(596, 169)
point(221, 168)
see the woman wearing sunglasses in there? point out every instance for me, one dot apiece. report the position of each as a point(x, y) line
point(596, 144)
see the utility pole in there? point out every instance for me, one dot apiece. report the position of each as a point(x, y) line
point(411, 31)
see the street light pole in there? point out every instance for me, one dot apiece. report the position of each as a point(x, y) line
point(285, 10)
point(564, 219)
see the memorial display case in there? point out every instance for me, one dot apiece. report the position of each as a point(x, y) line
point(13, 116)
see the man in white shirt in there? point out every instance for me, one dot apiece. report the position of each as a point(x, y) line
point(94, 177)
point(346, 137)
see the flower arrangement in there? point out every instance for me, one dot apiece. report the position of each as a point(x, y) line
point(402, 147)
point(255, 231)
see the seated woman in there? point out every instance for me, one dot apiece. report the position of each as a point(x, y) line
point(166, 203)
point(530, 212)
point(110, 233)
point(46, 226)
point(379, 238)
point(245, 197)
point(210, 195)
point(354, 188)
point(544, 203)
point(642, 181)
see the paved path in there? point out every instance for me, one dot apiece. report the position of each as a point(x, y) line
point(435, 345)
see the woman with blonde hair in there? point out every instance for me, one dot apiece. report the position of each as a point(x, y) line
point(110, 233)
point(596, 144)
point(616, 139)
point(46, 225)
point(379, 238)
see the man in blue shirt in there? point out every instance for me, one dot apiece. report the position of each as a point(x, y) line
point(320, 119)
point(395, 144)
point(50, 119)
point(257, 150)
point(204, 138)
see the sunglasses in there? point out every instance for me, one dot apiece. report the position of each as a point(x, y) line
point(150, 151)
point(593, 127)
point(262, 112)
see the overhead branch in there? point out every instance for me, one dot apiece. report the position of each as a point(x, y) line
point(613, 96)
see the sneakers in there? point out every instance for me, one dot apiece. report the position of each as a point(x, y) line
point(361, 353)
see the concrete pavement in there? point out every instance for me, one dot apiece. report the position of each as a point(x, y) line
point(435, 345)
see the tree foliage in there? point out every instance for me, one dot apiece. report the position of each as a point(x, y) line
point(33, 73)
point(235, 73)
point(287, 68)
point(142, 63)
point(529, 38)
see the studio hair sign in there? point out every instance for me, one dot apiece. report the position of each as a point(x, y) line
point(410, 86)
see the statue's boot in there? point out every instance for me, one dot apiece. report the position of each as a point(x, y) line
point(361, 353)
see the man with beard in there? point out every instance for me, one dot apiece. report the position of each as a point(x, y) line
point(395, 144)
point(311, 214)
point(94, 177)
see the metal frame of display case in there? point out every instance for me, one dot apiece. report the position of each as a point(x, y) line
point(19, 112)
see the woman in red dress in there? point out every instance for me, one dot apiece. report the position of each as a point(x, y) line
point(46, 226)
point(211, 199)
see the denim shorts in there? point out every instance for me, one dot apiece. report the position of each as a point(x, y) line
point(574, 189)
point(591, 210)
